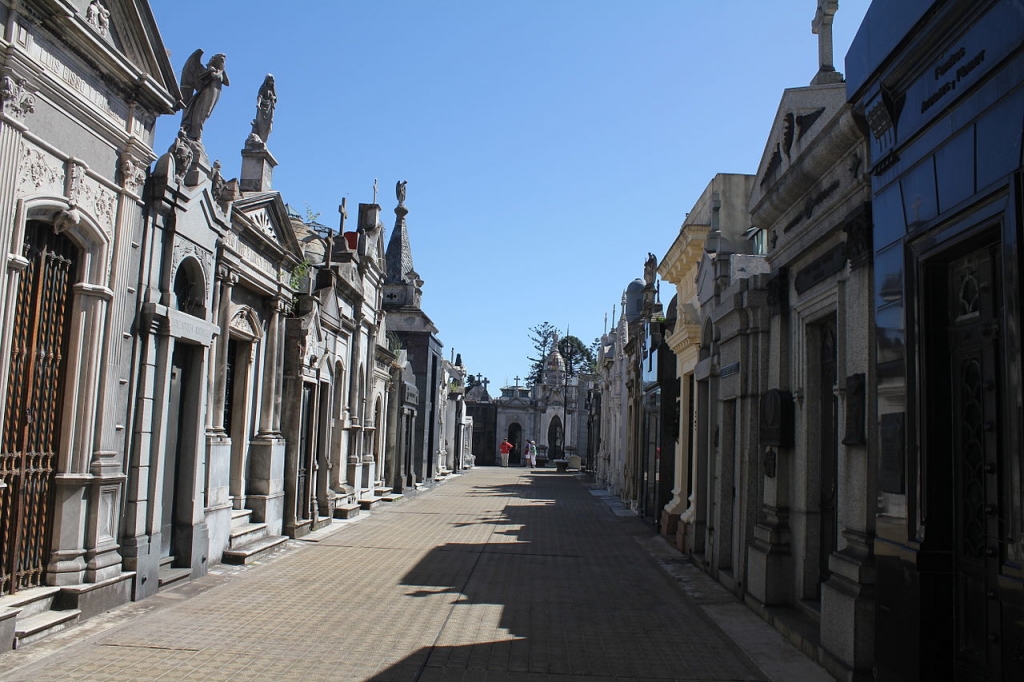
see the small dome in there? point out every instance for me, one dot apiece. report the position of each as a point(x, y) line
point(634, 300)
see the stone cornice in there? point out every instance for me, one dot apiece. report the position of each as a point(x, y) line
point(684, 336)
point(684, 254)
point(839, 136)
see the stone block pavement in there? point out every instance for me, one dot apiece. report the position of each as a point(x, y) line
point(496, 575)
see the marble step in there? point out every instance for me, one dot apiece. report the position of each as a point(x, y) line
point(252, 551)
point(41, 625)
point(346, 511)
point(246, 533)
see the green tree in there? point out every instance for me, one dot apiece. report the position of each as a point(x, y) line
point(542, 336)
point(578, 358)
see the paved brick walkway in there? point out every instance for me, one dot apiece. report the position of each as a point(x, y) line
point(495, 575)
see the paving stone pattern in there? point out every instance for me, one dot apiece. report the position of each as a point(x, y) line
point(500, 574)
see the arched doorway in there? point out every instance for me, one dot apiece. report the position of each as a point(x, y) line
point(556, 448)
point(32, 417)
point(515, 436)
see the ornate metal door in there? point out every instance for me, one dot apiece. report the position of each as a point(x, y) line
point(32, 418)
point(972, 305)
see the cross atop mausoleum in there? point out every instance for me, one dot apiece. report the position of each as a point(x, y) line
point(821, 26)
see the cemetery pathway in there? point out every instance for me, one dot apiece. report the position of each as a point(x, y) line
point(498, 574)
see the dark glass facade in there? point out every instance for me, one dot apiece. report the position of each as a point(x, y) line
point(940, 87)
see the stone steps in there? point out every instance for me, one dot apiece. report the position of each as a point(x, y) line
point(245, 533)
point(34, 616)
point(169, 575)
point(251, 551)
point(391, 497)
point(368, 503)
point(346, 511)
point(41, 625)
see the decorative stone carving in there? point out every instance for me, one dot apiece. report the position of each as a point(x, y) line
point(100, 201)
point(241, 323)
point(182, 153)
point(804, 122)
point(200, 90)
point(774, 164)
point(98, 17)
point(227, 276)
point(217, 181)
point(76, 178)
point(15, 99)
point(66, 219)
point(263, 221)
point(183, 249)
point(787, 132)
point(133, 173)
point(40, 171)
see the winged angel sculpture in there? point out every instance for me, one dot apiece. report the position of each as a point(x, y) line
point(200, 90)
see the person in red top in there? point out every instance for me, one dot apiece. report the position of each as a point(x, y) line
point(505, 448)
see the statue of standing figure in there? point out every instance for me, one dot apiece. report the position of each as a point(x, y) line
point(650, 269)
point(266, 102)
point(200, 90)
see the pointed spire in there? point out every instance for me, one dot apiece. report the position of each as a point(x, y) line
point(398, 258)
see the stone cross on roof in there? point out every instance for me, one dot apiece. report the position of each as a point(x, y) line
point(343, 210)
point(821, 26)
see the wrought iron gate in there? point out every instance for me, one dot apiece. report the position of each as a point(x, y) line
point(31, 428)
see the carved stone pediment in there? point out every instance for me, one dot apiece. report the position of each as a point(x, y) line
point(266, 217)
point(803, 136)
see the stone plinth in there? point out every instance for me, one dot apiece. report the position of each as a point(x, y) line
point(257, 170)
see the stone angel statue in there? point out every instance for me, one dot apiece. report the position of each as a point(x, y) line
point(200, 90)
point(400, 191)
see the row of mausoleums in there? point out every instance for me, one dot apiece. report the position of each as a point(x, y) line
point(192, 373)
point(828, 415)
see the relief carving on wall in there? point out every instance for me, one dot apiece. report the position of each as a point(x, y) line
point(40, 171)
point(15, 99)
point(99, 201)
point(314, 348)
point(242, 323)
point(262, 221)
point(133, 173)
point(98, 17)
point(184, 249)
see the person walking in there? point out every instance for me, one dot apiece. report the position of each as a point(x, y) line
point(505, 448)
point(530, 454)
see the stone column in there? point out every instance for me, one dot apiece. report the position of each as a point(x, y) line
point(271, 369)
point(281, 307)
point(11, 131)
point(226, 280)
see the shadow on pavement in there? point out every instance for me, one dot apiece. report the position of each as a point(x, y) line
point(572, 597)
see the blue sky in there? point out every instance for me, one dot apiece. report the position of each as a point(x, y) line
point(549, 145)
